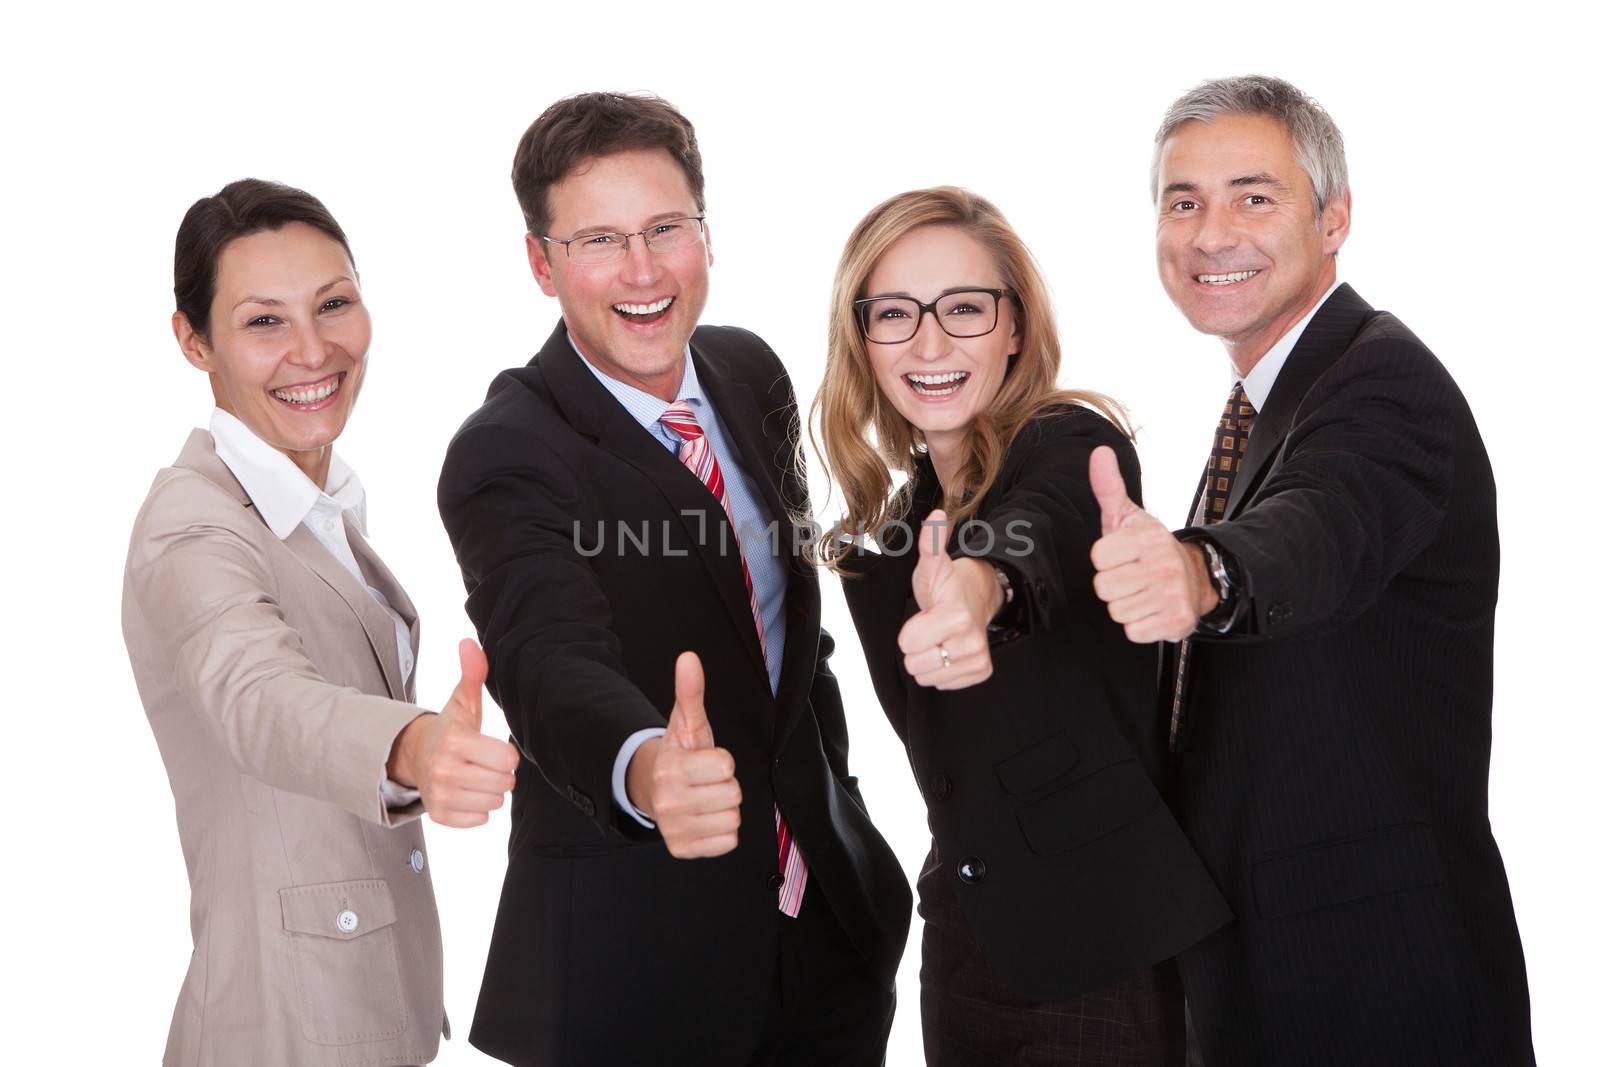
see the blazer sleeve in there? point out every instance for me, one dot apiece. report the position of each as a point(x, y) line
point(210, 602)
point(1041, 518)
point(555, 663)
point(1360, 488)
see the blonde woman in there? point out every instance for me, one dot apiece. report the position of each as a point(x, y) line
point(1057, 883)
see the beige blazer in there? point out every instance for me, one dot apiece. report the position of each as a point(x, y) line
point(272, 683)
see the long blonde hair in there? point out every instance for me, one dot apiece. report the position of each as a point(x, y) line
point(850, 404)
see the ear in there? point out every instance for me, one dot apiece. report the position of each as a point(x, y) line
point(539, 263)
point(195, 349)
point(710, 259)
point(1335, 223)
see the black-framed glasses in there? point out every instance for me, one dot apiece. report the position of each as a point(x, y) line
point(659, 237)
point(893, 320)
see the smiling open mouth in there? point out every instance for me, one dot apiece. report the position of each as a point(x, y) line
point(643, 314)
point(1231, 278)
point(947, 384)
point(309, 396)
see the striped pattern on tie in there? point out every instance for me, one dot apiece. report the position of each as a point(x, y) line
point(694, 451)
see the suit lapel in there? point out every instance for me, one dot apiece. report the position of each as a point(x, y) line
point(1325, 339)
point(592, 411)
point(200, 455)
point(382, 579)
point(375, 622)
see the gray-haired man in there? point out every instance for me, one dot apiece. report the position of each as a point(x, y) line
point(1332, 600)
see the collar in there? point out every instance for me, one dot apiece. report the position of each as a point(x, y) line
point(280, 491)
point(646, 408)
point(1258, 383)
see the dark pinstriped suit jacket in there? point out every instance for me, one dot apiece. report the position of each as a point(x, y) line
point(1335, 766)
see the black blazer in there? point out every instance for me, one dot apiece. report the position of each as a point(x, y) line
point(606, 949)
point(1336, 759)
point(1041, 781)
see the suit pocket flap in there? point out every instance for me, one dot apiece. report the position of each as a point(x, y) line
point(1091, 807)
point(1345, 869)
point(1039, 764)
point(338, 910)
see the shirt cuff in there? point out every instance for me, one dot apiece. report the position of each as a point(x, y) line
point(619, 772)
point(397, 796)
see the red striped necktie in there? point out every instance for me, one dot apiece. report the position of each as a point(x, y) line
point(695, 453)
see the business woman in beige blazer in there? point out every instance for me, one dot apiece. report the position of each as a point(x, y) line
point(273, 652)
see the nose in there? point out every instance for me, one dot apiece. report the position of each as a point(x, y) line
point(1216, 233)
point(640, 265)
point(311, 349)
point(930, 342)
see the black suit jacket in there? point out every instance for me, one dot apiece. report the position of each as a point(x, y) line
point(1336, 759)
point(1041, 782)
point(606, 949)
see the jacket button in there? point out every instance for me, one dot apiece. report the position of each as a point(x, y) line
point(418, 861)
point(971, 870)
point(939, 787)
point(775, 881)
point(347, 921)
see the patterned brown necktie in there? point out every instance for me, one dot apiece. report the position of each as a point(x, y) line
point(1227, 452)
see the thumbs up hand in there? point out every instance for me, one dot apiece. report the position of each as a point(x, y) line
point(1156, 586)
point(682, 780)
point(461, 774)
point(946, 643)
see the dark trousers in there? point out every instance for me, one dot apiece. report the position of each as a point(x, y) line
point(827, 1008)
point(972, 1019)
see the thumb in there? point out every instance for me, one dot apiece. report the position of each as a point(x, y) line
point(933, 561)
point(935, 534)
point(1105, 478)
point(466, 703)
point(688, 726)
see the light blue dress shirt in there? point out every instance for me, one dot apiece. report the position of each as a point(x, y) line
point(751, 523)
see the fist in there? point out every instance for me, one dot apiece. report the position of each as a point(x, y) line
point(946, 644)
point(682, 780)
point(1153, 584)
point(461, 774)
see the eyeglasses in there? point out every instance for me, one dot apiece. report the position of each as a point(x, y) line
point(660, 238)
point(893, 320)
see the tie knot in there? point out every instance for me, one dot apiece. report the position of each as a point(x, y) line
point(679, 418)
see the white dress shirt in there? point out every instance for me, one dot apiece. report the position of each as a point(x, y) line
point(285, 498)
point(1258, 383)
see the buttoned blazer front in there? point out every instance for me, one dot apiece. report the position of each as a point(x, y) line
point(592, 558)
point(1334, 769)
point(271, 681)
point(1043, 781)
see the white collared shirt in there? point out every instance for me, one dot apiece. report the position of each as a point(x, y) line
point(1258, 383)
point(285, 499)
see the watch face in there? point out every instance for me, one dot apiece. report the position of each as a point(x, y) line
point(1219, 572)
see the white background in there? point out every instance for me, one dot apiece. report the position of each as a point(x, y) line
point(1471, 154)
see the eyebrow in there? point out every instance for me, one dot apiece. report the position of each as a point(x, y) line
point(589, 231)
point(273, 303)
point(1241, 182)
point(901, 294)
point(1257, 179)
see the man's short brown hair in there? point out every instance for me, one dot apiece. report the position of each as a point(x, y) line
point(589, 125)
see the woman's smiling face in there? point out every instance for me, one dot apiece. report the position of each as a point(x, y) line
point(288, 339)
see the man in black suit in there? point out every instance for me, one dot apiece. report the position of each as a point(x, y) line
point(1334, 598)
point(692, 877)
